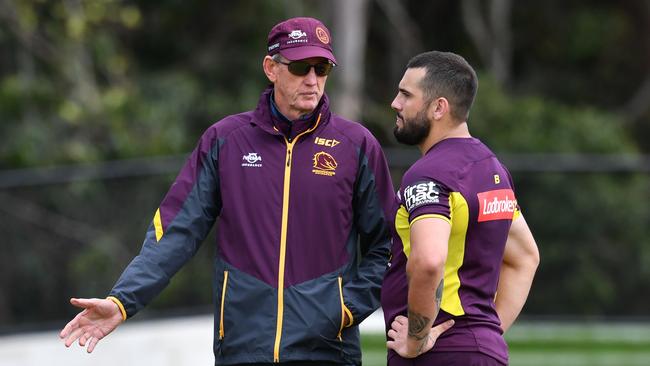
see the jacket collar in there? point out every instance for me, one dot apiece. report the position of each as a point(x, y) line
point(264, 117)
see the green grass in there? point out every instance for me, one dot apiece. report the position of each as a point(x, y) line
point(557, 344)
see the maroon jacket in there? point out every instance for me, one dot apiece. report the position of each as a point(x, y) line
point(303, 237)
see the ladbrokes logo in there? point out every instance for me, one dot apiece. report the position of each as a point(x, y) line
point(499, 204)
point(419, 194)
point(324, 164)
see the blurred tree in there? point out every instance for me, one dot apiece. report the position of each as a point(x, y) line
point(491, 35)
point(350, 23)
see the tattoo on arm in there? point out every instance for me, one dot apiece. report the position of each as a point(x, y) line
point(439, 294)
point(422, 344)
point(418, 323)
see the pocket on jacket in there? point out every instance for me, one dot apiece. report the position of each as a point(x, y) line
point(313, 315)
point(245, 316)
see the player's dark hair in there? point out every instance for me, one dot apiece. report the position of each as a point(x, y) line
point(448, 75)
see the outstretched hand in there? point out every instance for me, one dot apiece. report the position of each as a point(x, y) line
point(96, 321)
point(409, 347)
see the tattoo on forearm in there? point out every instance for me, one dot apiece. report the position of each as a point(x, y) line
point(424, 343)
point(439, 293)
point(418, 323)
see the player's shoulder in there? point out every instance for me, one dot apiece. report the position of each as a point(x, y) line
point(232, 122)
point(222, 128)
point(445, 162)
point(428, 168)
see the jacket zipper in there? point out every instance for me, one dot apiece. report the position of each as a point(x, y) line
point(283, 240)
point(223, 302)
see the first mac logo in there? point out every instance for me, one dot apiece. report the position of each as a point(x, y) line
point(419, 194)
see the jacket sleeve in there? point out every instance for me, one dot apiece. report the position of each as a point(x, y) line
point(373, 200)
point(180, 224)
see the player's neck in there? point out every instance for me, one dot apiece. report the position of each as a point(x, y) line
point(444, 130)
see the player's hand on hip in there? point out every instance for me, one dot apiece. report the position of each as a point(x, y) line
point(96, 321)
point(410, 347)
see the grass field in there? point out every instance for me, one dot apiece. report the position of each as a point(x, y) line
point(557, 344)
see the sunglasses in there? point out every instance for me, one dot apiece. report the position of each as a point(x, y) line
point(302, 68)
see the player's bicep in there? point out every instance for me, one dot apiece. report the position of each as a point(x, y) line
point(429, 239)
point(520, 245)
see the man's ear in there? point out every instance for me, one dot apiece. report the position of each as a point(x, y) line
point(438, 108)
point(270, 68)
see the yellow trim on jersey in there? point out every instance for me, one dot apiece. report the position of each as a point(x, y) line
point(455, 255)
point(403, 229)
point(430, 216)
point(516, 215)
point(283, 239)
point(223, 302)
point(157, 223)
point(119, 305)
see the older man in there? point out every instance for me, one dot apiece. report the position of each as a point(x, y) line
point(303, 198)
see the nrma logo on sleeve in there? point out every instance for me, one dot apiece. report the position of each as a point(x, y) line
point(420, 194)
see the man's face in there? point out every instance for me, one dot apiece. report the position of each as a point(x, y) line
point(412, 124)
point(298, 95)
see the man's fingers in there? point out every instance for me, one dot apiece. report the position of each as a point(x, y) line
point(84, 338)
point(92, 344)
point(392, 333)
point(68, 328)
point(401, 319)
point(390, 345)
point(72, 324)
point(72, 337)
point(441, 328)
point(399, 323)
point(83, 303)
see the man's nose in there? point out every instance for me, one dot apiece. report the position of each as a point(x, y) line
point(311, 78)
point(396, 105)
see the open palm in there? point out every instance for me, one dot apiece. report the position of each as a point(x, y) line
point(96, 321)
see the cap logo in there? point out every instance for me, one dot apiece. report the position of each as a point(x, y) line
point(322, 35)
point(297, 34)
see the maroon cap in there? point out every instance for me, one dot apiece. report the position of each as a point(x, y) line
point(301, 38)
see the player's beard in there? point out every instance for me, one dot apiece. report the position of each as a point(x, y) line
point(414, 130)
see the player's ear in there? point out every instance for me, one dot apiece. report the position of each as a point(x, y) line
point(438, 108)
point(270, 68)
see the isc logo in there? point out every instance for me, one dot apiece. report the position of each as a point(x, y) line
point(326, 142)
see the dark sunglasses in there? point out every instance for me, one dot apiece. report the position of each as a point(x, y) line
point(301, 68)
